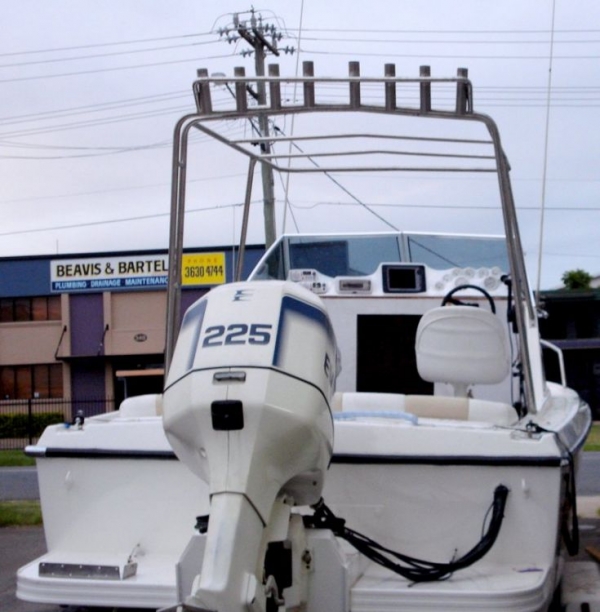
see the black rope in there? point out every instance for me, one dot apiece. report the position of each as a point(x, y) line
point(415, 570)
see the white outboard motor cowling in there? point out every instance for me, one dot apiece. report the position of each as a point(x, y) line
point(247, 408)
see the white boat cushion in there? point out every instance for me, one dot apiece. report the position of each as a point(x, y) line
point(427, 407)
point(462, 345)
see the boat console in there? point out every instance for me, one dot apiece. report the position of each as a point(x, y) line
point(401, 263)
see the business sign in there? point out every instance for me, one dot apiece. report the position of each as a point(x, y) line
point(133, 272)
point(203, 269)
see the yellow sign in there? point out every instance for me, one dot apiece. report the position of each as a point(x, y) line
point(203, 269)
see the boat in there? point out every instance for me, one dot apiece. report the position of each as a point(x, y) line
point(364, 424)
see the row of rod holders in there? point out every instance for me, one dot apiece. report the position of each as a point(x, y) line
point(241, 83)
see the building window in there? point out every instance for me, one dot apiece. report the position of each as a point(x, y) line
point(31, 381)
point(43, 308)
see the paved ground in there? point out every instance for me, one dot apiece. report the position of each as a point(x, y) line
point(18, 483)
point(588, 477)
point(19, 545)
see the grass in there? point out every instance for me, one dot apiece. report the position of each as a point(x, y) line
point(593, 441)
point(20, 513)
point(15, 458)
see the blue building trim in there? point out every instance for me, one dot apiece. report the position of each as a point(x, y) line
point(30, 276)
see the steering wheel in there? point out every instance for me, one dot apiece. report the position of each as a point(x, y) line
point(448, 299)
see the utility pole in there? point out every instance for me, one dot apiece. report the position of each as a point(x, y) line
point(256, 36)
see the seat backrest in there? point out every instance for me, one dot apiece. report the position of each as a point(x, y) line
point(463, 346)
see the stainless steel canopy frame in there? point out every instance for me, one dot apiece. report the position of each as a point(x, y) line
point(384, 149)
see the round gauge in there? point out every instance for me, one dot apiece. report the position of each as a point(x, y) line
point(491, 283)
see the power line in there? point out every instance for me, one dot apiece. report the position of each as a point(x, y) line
point(113, 69)
point(100, 151)
point(112, 54)
point(241, 204)
point(425, 31)
point(408, 41)
point(83, 155)
point(114, 190)
point(122, 220)
point(97, 122)
point(470, 56)
point(231, 127)
point(105, 44)
point(448, 207)
point(548, 253)
point(93, 108)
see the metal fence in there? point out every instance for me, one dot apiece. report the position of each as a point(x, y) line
point(22, 422)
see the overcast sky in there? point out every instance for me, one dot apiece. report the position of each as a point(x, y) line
point(90, 91)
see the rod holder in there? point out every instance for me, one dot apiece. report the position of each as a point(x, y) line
point(241, 102)
point(308, 70)
point(354, 71)
point(274, 87)
point(202, 92)
point(462, 92)
point(390, 87)
point(425, 89)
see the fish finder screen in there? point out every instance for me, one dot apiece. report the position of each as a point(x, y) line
point(403, 279)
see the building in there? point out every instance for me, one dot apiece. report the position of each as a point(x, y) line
point(86, 331)
point(82, 332)
point(573, 324)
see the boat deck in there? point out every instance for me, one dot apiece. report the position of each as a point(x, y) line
point(518, 589)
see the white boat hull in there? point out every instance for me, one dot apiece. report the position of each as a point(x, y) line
point(420, 488)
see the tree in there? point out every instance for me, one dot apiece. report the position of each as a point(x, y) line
point(576, 279)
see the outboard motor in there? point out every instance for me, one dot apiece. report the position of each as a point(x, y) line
point(247, 408)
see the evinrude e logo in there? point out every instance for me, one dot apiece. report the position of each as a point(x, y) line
point(243, 295)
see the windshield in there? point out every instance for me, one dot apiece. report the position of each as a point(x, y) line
point(443, 252)
point(343, 255)
point(339, 255)
point(333, 256)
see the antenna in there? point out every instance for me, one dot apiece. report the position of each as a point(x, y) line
point(545, 170)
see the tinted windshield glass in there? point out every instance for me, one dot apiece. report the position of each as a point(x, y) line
point(361, 255)
point(343, 255)
point(442, 252)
